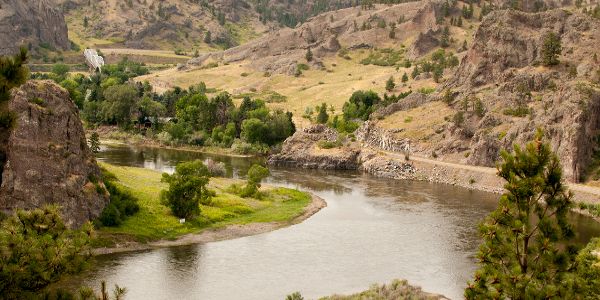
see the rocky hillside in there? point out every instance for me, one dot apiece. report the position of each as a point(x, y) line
point(47, 157)
point(183, 24)
point(327, 33)
point(502, 92)
point(31, 24)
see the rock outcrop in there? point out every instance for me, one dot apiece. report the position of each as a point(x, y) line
point(24, 23)
point(303, 150)
point(47, 157)
point(325, 34)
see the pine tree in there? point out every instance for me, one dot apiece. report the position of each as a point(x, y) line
point(390, 84)
point(392, 34)
point(207, 37)
point(322, 117)
point(551, 49)
point(415, 72)
point(445, 40)
point(404, 77)
point(523, 254)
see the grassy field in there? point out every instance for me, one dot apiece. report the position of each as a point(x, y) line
point(154, 220)
point(334, 85)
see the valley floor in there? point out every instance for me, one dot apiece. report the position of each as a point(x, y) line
point(229, 216)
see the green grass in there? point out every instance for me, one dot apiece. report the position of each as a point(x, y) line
point(154, 221)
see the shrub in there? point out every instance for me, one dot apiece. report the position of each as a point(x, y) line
point(519, 111)
point(255, 176)
point(122, 202)
point(216, 169)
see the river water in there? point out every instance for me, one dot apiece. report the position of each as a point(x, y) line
point(372, 231)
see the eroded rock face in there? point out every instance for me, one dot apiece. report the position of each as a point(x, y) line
point(325, 34)
point(302, 150)
point(47, 157)
point(31, 22)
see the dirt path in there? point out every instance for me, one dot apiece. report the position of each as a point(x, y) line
point(573, 186)
point(219, 234)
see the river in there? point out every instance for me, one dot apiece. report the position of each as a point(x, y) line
point(372, 231)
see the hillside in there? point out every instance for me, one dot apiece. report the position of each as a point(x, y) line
point(501, 93)
point(346, 57)
point(31, 24)
point(183, 25)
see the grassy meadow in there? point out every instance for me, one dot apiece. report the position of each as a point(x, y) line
point(154, 221)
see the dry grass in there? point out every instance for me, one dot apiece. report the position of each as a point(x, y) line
point(419, 123)
point(333, 86)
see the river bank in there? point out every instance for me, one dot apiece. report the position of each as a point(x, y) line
point(112, 135)
point(227, 217)
point(218, 234)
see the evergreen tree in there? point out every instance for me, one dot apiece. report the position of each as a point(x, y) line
point(392, 31)
point(309, 55)
point(415, 72)
point(390, 84)
point(37, 249)
point(523, 255)
point(551, 49)
point(404, 77)
point(322, 117)
point(445, 40)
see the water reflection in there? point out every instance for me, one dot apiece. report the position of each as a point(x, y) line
point(373, 230)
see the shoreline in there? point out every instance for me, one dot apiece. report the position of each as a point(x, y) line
point(219, 234)
point(156, 145)
point(485, 179)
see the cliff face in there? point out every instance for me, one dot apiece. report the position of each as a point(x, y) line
point(24, 22)
point(325, 34)
point(47, 157)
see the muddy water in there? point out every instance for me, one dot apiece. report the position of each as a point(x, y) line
point(372, 231)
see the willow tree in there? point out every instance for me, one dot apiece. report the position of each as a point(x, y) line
point(523, 254)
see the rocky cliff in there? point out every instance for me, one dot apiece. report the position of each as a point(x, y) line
point(501, 94)
point(27, 22)
point(327, 33)
point(47, 157)
point(303, 150)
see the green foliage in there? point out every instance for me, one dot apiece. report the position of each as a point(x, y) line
point(94, 142)
point(404, 77)
point(37, 249)
point(383, 57)
point(360, 105)
point(60, 70)
point(256, 174)
point(322, 116)
point(520, 257)
point(294, 296)
point(120, 101)
point(122, 202)
point(390, 84)
point(551, 49)
point(13, 73)
point(519, 111)
point(187, 189)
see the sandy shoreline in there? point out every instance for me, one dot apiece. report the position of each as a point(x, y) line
point(219, 234)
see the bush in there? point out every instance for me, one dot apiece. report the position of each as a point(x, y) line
point(519, 111)
point(216, 169)
point(122, 203)
point(255, 176)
